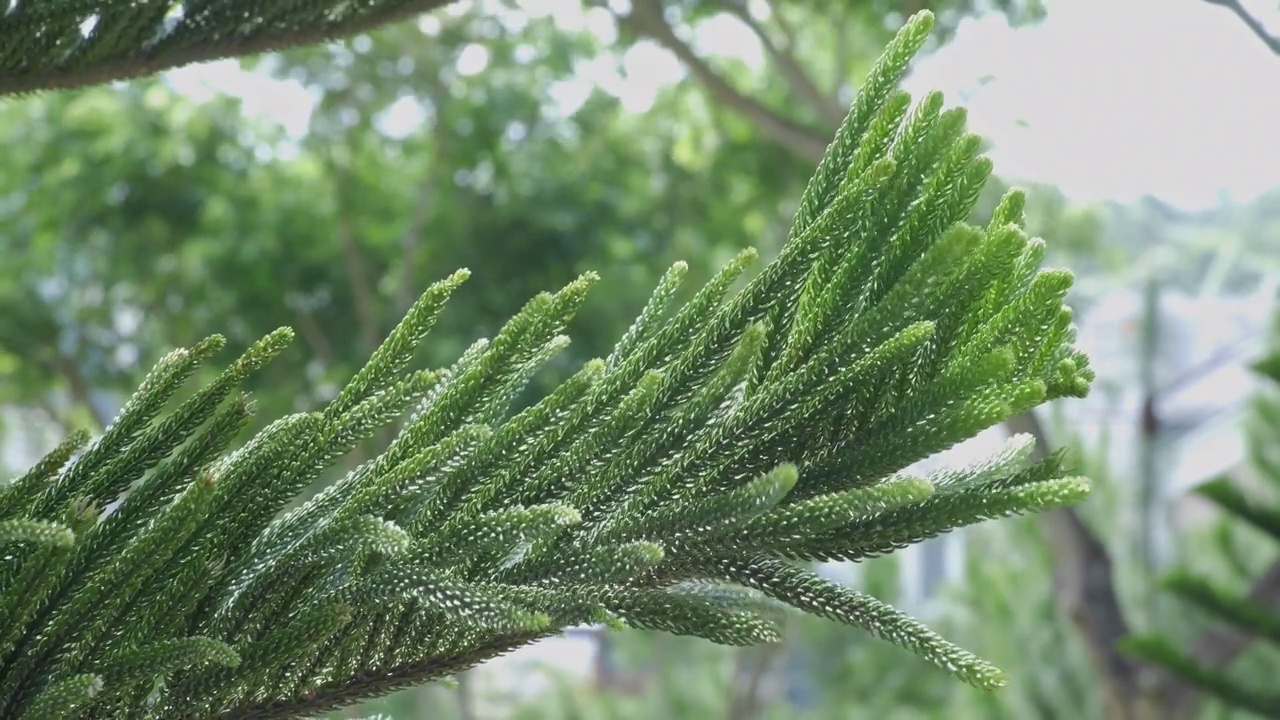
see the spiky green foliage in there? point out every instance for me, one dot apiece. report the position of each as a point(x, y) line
point(721, 445)
point(53, 44)
point(1252, 616)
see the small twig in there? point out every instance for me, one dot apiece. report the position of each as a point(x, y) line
point(462, 694)
point(1257, 28)
point(411, 241)
point(841, 53)
point(1149, 431)
point(784, 57)
point(788, 30)
point(361, 288)
point(748, 704)
point(79, 387)
point(313, 335)
point(1220, 358)
point(646, 19)
point(65, 427)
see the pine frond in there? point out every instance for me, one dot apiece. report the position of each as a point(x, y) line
point(675, 485)
point(76, 44)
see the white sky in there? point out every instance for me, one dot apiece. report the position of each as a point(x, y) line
point(1107, 99)
point(1174, 98)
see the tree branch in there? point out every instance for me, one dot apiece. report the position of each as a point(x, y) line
point(64, 427)
point(1083, 586)
point(462, 696)
point(138, 62)
point(313, 335)
point(784, 57)
point(411, 241)
point(747, 703)
point(841, 53)
point(358, 278)
point(788, 30)
point(411, 244)
point(81, 392)
point(1085, 593)
point(1235, 6)
point(646, 18)
point(371, 683)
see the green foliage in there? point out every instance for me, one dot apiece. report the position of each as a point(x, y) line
point(724, 441)
point(66, 45)
point(138, 201)
point(1253, 508)
point(821, 672)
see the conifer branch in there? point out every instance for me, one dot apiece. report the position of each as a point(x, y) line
point(46, 50)
point(722, 442)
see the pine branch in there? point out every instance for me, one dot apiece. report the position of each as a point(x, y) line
point(722, 441)
point(43, 47)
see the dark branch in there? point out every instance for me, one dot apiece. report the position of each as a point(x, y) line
point(367, 325)
point(313, 335)
point(747, 703)
point(646, 18)
point(783, 56)
point(207, 43)
point(1085, 592)
point(424, 207)
point(79, 387)
point(1251, 22)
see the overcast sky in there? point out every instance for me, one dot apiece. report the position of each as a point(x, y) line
point(1108, 99)
point(1124, 97)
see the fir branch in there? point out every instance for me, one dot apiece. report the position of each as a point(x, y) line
point(719, 442)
